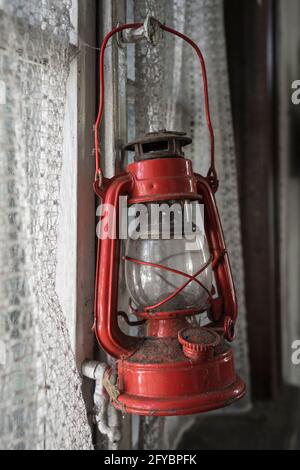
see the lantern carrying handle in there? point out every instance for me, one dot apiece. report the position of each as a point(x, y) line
point(212, 174)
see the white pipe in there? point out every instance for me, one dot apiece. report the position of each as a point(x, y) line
point(105, 414)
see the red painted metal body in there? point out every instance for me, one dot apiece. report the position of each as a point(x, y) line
point(162, 179)
point(154, 375)
point(176, 385)
point(174, 369)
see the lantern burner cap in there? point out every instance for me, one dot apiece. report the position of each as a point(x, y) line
point(198, 342)
point(159, 144)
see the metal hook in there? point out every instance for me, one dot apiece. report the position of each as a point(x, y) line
point(151, 31)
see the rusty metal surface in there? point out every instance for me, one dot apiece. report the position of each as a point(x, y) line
point(159, 144)
point(158, 351)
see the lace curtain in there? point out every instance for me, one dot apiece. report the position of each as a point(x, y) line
point(41, 406)
point(168, 94)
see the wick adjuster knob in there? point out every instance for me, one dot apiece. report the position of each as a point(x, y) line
point(198, 343)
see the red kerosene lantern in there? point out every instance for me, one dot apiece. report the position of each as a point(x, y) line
point(178, 367)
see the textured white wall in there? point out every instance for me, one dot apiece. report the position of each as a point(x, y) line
point(67, 224)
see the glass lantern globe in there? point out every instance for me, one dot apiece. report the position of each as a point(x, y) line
point(174, 240)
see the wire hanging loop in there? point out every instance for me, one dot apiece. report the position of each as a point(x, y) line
point(212, 173)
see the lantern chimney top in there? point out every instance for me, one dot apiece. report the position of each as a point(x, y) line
point(159, 144)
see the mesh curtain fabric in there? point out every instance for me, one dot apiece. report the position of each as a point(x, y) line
point(41, 406)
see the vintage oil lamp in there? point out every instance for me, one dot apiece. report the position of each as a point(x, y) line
point(176, 367)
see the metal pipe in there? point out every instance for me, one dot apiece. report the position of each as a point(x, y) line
point(106, 416)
